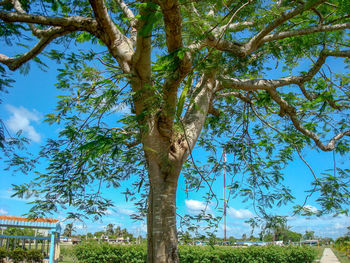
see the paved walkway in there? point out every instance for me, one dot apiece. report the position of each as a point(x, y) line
point(328, 256)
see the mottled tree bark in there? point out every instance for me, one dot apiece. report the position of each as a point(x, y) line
point(161, 223)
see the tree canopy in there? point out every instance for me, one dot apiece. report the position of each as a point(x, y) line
point(248, 76)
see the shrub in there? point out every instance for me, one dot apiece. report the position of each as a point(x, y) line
point(17, 255)
point(3, 254)
point(94, 252)
point(34, 256)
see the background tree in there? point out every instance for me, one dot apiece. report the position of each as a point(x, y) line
point(68, 230)
point(185, 237)
point(291, 236)
point(110, 230)
point(212, 84)
point(99, 234)
point(275, 226)
point(309, 235)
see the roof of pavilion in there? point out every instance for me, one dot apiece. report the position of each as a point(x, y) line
point(18, 221)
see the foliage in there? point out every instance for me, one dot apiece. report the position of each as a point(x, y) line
point(3, 254)
point(17, 255)
point(342, 256)
point(34, 256)
point(247, 76)
point(270, 254)
point(342, 243)
point(93, 252)
point(274, 228)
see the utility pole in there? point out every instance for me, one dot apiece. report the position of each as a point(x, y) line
point(224, 174)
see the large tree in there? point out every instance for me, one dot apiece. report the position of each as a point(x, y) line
point(191, 71)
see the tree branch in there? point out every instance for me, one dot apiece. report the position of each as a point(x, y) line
point(304, 31)
point(236, 94)
point(196, 113)
point(285, 16)
point(270, 84)
point(242, 50)
point(131, 17)
point(118, 44)
point(173, 31)
point(292, 113)
point(127, 12)
point(173, 24)
point(50, 34)
point(18, 7)
point(77, 23)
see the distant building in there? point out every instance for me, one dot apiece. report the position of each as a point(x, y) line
point(311, 242)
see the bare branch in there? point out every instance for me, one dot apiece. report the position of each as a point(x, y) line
point(304, 31)
point(338, 53)
point(18, 7)
point(270, 84)
point(243, 50)
point(51, 34)
point(222, 44)
point(127, 12)
point(75, 22)
point(285, 16)
point(292, 113)
point(131, 17)
point(234, 27)
point(236, 94)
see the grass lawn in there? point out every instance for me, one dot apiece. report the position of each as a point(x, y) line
point(341, 256)
point(319, 253)
point(67, 260)
point(66, 253)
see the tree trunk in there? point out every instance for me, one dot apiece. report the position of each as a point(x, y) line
point(161, 218)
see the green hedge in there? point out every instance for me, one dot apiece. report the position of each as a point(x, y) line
point(19, 255)
point(3, 254)
point(105, 253)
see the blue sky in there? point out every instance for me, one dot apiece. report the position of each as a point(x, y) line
point(34, 95)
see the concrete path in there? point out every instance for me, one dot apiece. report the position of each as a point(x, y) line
point(328, 256)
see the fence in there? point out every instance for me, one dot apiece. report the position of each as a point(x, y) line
point(49, 244)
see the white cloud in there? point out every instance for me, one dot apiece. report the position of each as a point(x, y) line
point(120, 211)
point(21, 119)
point(125, 211)
point(240, 213)
point(3, 212)
point(310, 208)
point(338, 225)
point(194, 206)
point(122, 109)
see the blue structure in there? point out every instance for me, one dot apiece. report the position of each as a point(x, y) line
point(52, 225)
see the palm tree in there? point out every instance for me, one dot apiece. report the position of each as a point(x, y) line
point(118, 231)
point(68, 230)
point(110, 230)
point(275, 225)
